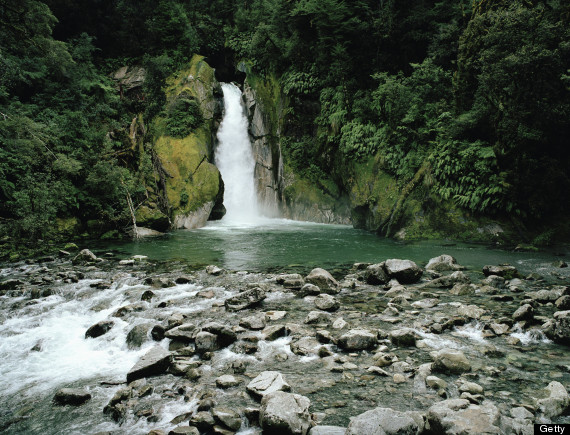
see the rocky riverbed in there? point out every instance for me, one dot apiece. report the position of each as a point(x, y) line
point(106, 345)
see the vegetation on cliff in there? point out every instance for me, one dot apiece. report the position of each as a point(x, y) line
point(464, 103)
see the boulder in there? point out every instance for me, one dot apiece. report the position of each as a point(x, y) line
point(470, 311)
point(386, 421)
point(308, 290)
point(99, 329)
point(450, 361)
point(245, 299)
point(185, 333)
point(560, 331)
point(137, 335)
point(266, 383)
point(227, 418)
point(71, 396)
point(225, 336)
point(203, 420)
point(274, 332)
point(557, 403)
point(327, 430)
point(317, 317)
point(505, 271)
point(214, 270)
point(375, 274)
point(448, 281)
point(563, 303)
point(357, 339)
point(403, 337)
point(324, 280)
point(84, 256)
point(545, 296)
point(304, 346)
point(459, 416)
point(327, 302)
point(524, 312)
point(227, 381)
point(405, 271)
point(254, 322)
point(155, 362)
point(443, 263)
point(285, 413)
point(206, 342)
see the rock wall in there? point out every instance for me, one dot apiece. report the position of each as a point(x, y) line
point(265, 136)
point(282, 192)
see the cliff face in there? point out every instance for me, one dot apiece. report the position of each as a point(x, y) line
point(192, 184)
point(365, 196)
point(281, 191)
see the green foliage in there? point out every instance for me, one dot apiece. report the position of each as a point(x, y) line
point(183, 116)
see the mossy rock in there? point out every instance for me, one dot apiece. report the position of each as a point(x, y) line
point(192, 181)
point(153, 218)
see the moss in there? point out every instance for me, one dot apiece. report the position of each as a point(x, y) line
point(272, 100)
point(191, 179)
point(111, 235)
point(67, 227)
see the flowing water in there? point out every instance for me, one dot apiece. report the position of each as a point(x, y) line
point(234, 159)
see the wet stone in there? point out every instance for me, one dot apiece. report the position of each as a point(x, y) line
point(326, 302)
point(357, 339)
point(155, 362)
point(285, 413)
point(450, 361)
point(227, 381)
point(99, 329)
point(324, 280)
point(266, 383)
point(71, 396)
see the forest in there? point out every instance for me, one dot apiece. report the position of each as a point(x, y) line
point(475, 95)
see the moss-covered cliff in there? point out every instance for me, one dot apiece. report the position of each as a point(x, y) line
point(193, 188)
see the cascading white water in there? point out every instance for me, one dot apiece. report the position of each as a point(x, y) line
point(234, 159)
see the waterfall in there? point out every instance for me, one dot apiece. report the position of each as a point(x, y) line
point(234, 159)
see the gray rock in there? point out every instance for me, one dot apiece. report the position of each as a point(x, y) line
point(494, 281)
point(324, 280)
point(318, 317)
point(71, 396)
point(405, 271)
point(386, 421)
point(443, 263)
point(227, 417)
point(225, 336)
point(470, 311)
point(266, 383)
point(357, 339)
point(138, 335)
point(403, 337)
point(84, 256)
point(11, 284)
point(563, 303)
point(304, 346)
point(155, 362)
point(462, 289)
point(309, 290)
point(185, 333)
point(245, 299)
point(203, 420)
point(448, 281)
point(227, 381)
point(460, 417)
point(99, 329)
point(560, 332)
point(255, 322)
point(179, 430)
point(214, 270)
point(274, 332)
point(327, 302)
point(524, 312)
point(206, 342)
point(375, 274)
point(450, 361)
point(504, 271)
point(285, 413)
point(327, 430)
